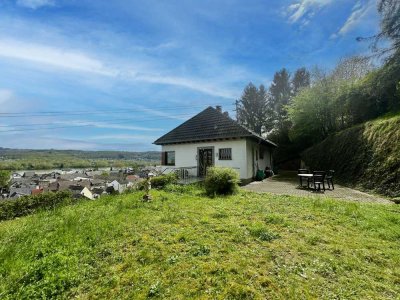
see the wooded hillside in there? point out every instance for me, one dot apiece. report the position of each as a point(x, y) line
point(366, 155)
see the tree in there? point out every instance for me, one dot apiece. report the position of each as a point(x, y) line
point(280, 93)
point(311, 115)
point(390, 27)
point(390, 22)
point(351, 69)
point(344, 85)
point(4, 179)
point(301, 79)
point(251, 108)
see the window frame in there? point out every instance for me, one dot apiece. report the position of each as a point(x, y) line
point(165, 158)
point(225, 156)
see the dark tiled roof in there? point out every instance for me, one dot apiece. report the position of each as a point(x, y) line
point(210, 124)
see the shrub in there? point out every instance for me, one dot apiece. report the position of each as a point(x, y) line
point(13, 208)
point(221, 181)
point(161, 181)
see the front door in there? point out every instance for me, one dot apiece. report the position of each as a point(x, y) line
point(205, 160)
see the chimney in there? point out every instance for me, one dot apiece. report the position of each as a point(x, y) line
point(219, 108)
point(226, 114)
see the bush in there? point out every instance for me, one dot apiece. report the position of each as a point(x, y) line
point(13, 208)
point(161, 181)
point(221, 181)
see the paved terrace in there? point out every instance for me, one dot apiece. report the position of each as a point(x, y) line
point(288, 184)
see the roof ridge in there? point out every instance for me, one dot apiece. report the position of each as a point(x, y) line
point(182, 124)
point(209, 124)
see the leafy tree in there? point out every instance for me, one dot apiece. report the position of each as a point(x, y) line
point(328, 104)
point(251, 108)
point(310, 114)
point(344, 87)
point(4, 179)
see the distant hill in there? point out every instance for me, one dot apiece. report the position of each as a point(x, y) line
point(27, 159)
point(24, 153)
point(367, 155)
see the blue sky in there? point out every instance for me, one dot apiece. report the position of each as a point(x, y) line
point(118, 74)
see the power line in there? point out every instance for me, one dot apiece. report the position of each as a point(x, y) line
point(93, 112)
point(80, 125)
point(109, 120)
point(122, 121)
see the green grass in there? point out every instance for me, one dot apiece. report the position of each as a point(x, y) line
point(184, 245)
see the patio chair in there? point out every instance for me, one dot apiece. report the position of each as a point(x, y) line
point(318, 180)
point(329, 179)
point(303, 171)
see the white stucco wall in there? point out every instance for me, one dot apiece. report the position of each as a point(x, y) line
point(257, 163)
point(87, 193)
point(186, 155)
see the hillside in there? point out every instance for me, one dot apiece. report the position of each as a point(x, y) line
point(186, 246)
point(22, 159)
point(367, 156)
point(24, 153)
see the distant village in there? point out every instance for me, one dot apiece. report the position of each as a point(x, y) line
point(81, 183)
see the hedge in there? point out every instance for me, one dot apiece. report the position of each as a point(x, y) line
point(26, 205)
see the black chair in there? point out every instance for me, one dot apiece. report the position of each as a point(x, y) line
point(329, 179)
point(303, 171)
point(318, 180)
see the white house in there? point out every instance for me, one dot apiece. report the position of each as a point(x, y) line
point(118, 187)
point(87, 193)
point(212, 138)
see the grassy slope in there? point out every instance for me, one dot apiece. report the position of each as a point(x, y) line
point(184, 246)
point(367, 155)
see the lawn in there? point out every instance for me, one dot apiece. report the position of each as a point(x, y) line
point(184, 245)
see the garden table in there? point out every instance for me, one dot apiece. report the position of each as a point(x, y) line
point(305, 176)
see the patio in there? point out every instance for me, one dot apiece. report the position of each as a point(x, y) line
point(287, 183)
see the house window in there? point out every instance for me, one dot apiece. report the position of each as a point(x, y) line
point(225, 154)
point(261, 153)
point(168, 158)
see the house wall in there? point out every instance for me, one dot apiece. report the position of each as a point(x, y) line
point(186, 156)
point(86, 193)
point(253, 150)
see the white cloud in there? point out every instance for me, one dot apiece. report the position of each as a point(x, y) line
point(102, 124)
point(52, 56)
point(197, 85)
point(128, 137)
point(37, 141)
point(78, 61)
point(360, 12)
point(305, 9)
point(34, 4)
point(160, 113)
